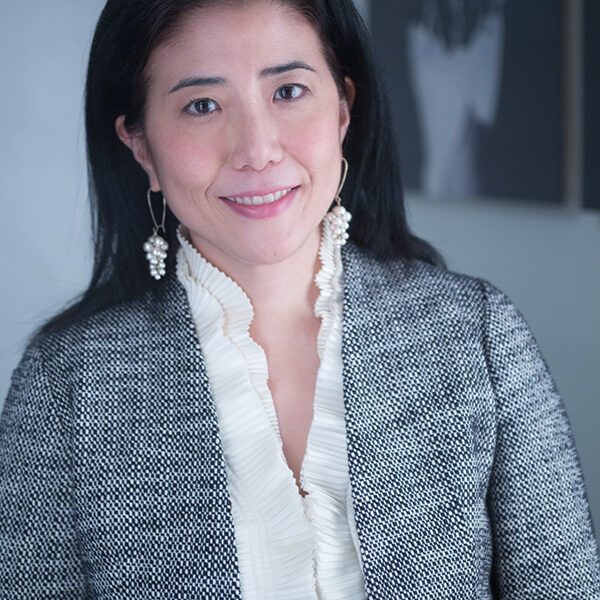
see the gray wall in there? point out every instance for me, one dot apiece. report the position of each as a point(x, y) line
point(547, 260)
point(44, 248)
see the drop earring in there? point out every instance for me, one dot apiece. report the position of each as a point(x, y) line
point(338, 218)
point(156, 246)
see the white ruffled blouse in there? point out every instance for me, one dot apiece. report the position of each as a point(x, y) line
point(289, 547)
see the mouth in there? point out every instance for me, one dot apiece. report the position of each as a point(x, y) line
point(255, 200)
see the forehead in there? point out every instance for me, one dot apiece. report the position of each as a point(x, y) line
point(234, 37)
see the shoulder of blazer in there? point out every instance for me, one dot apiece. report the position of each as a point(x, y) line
point(130, 328)
point(409, 290)
point(375, 288)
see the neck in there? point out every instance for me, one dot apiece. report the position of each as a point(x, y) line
point(283, 294)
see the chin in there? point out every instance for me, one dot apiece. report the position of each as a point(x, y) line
point(272, 254)
point(271, 250)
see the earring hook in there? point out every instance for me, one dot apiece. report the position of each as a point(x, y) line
point(157, 227)
point(342, 181)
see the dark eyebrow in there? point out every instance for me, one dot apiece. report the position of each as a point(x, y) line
point(291, 66)
point(197, 81)
point(268, 72)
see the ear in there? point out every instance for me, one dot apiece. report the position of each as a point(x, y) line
point(138, 145)
point(346, 106)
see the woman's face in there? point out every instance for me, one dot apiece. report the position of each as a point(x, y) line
point(242, 108)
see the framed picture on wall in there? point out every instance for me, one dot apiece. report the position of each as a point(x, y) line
point(591, 113)
point(477, 90)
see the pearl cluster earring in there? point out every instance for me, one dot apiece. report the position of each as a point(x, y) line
point(338, 218)
point(156, 246)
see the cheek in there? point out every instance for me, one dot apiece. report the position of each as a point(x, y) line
point(315, 140)
point(185, 161)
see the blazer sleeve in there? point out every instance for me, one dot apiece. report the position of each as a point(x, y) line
point(38, 547)
point(543, 538)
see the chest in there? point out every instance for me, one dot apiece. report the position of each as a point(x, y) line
point(293, 365)
point(152, 497)
point(293, 383)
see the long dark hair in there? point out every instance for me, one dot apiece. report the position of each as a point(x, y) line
point(126, 34)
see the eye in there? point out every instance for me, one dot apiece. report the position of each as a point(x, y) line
point(201, 107)
point(290, 91)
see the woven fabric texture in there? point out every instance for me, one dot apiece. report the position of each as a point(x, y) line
point(465, 478)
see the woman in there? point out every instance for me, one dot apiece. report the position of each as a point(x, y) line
point(260, 412)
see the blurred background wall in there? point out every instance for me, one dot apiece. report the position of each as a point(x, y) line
point(546, 258)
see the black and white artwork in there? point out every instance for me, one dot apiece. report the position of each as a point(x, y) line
point(477, 94)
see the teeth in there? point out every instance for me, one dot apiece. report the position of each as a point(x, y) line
point(258, 200)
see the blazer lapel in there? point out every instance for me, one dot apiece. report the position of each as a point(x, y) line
point(198, 494)
point(375, 393)
point(412, 422)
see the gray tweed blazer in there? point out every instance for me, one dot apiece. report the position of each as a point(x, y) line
point(464, 475)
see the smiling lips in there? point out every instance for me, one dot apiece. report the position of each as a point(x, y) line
point(254, 206)
point(260, 200)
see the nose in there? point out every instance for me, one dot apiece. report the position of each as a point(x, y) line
point(255, 140)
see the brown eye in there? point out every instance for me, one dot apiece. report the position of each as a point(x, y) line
point(290, 92)
point(202, 106)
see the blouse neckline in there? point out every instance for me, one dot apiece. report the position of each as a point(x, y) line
point(289, 546)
